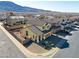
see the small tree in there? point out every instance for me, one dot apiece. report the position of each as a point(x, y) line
point(11, 14)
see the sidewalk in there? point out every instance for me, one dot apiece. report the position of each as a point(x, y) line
point(7, 48)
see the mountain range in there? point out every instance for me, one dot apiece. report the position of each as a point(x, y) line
point(10, 6)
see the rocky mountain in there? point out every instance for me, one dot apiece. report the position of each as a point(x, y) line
point(10, 6)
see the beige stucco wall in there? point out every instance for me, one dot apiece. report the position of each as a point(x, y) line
point(11, 21)
point(30, 33)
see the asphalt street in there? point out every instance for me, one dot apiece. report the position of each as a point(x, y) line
point(7, 48)
point(73, 50)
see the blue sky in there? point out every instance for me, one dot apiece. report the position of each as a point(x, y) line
point(63, 6)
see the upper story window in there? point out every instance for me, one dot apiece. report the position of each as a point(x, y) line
point(43, 27)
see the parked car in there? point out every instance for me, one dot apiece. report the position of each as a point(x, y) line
point(27, 42)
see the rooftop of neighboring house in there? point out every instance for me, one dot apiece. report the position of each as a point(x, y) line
point(3, 15)
point(74, 17)
point(51, 21)
point(36, 22)
point(16, 17)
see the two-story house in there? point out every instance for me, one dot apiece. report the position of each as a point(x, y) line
point(38, 30)
point(35, 30)
point(15, 20)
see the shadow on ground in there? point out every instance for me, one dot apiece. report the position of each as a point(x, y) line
point(66, 32)
point(63, 33)
point(74, 29)
point(65, 45)
point(54, 41)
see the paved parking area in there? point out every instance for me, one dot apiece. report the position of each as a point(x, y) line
point(7, 48)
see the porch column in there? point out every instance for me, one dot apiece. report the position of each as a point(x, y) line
point(44, 37)
point(33, 38)
point(41, 38)
point(37, 39)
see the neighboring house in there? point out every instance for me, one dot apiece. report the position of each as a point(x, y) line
point(15, 20)
point(74, 19)
point(55, 28)
point(54, 24)
point(66, 23)
point(3, 17)
point(44, 27)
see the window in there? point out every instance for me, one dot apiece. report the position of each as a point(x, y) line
point(17, 22)
point(27, 33)
point(35, 40)
point(21, 22)
point(48, 26)
point(39, 38)
point(67, 19)
point(36, 37)
point(63, 20)
point(25, 37)
point(33, 36)
point(14, 24)
point(43, 27)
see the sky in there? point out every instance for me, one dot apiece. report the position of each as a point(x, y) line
point(62, 6)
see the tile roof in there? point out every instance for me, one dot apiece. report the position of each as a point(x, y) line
point(35, 30)
point(54, 20)
point(35, 22)
point(16, 17)
point(74, 17)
